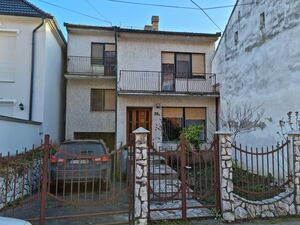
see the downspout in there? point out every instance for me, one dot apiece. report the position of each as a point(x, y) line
point(217, 113)
point(32, 68)
point(116, 86)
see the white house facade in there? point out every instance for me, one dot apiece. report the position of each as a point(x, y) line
point(258, 63)
point(121, 79)
point(32, 57)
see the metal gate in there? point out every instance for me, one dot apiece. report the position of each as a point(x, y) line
point(63, 187)
point(183, 183)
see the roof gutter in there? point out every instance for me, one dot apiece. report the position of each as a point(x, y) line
point(32, 68)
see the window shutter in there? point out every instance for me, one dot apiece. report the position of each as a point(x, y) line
point(167, 58)
point(97, 100)
point(198, 64)
point(110, 100)
point(110, 47)
point(7, 56)
point(172, 112)
point(195, 114)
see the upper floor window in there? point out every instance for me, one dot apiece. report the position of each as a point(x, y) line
point(262, 21)
point(183, 65)
point(104, 54)
point(103, 100)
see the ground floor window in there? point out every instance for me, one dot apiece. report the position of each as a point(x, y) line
point(175, 119)
point(108, 138)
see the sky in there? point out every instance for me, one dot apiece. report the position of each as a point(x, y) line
point(109, 12)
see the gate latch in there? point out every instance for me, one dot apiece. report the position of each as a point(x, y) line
point(188, 167)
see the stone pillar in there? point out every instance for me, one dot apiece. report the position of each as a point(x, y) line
point(141, 176)
point(294, 138)
point(226, 170)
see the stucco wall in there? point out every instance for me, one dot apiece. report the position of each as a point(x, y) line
point(263, 67)
point(79, 118)
point(143, 52)
point(163, 101)
point(18, 87)
point(18, 136)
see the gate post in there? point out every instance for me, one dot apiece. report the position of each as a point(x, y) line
point(226, 170)
point(294, 138)
point(44, 181)
point(141, 176)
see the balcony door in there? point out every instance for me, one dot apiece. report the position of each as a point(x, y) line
point(139, 117)
point(168, 71)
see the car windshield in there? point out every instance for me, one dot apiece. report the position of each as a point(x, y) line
point(84, 148)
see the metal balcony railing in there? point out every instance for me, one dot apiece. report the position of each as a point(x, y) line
point(82, 65)
point(155, 81)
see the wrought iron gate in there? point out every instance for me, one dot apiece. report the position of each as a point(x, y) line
point(60, 192)
point(183, 183)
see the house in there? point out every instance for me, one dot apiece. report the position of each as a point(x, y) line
point(258, 62)
point(120, 79)
point(32, 56)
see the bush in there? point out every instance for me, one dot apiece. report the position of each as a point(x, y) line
point(192, 134)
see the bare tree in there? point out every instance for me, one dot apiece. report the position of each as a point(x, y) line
point(242, 118)
point(292, 122)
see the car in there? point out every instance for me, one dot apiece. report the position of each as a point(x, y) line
point(80, 161)
point(12, 221)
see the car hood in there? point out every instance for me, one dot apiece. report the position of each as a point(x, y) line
point(12, 221)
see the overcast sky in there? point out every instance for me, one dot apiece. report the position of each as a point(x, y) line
point(136, 16)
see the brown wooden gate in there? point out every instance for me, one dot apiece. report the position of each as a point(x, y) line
point(183, 183)
point(57, 186)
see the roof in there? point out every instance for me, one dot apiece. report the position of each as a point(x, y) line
point(119, 29)
point(21, 8)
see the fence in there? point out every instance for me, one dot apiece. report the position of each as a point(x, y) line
point(259, 173)
point(81, 182)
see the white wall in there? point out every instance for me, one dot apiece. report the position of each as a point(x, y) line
point(79, 118)
point(17, 88)
point(54, 91)
point(264, 67)
point(18, 136)
point(164, 101)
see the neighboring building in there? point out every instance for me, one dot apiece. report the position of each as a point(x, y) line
point(32, 56)
point(121, 79)
point(258, 61)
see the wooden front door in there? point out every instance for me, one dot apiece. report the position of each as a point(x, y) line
point(139, 117)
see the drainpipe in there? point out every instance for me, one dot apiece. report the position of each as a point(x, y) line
point(32, 67)
point(116, 85)
point(217, 113)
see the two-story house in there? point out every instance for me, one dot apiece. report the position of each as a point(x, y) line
point(120, 79)
point(32, 56)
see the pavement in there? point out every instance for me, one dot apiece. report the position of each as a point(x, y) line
point(282, 221)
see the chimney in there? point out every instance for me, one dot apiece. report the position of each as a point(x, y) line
point(148, 27)
point(154, 21)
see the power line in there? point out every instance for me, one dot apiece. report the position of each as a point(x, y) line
point(207, 15)
point(74, 11)
point(176, 6)
point(97, 11)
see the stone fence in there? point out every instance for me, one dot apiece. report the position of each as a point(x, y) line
point(234, 207)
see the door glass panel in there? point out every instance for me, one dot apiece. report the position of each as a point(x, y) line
point(168, 83)
point(183, 66)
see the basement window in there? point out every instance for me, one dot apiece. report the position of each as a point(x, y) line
point(262, 20)
point(236, 37)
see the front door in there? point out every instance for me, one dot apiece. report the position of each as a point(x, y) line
point(139, 117)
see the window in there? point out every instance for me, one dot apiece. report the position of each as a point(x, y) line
point(183, 65)
point(103, 100)
point(236, 37)
point(172, 123)
point(110, 59)
point(198, 65)
point(168, 70)
point(7, 56)
point(262, 20)
point(175, 119)
point(97, 53)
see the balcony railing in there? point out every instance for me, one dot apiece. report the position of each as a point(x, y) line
point(155, 81)
point(81, 65)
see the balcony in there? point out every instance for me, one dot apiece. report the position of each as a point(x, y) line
point(87, 66)
point(157, 82)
